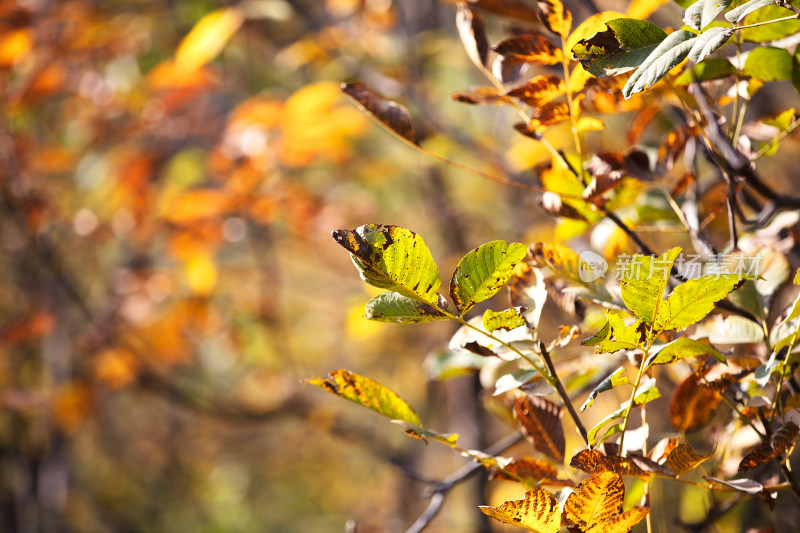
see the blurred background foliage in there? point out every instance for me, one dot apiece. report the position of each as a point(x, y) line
point(171, 172)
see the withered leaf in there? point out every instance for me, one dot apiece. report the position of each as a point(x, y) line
point(539, 90)
point(538, 512)
point(672, 146)
point(481, 96)
point(621, 523)
point(540, 422)
point(391, 115)
point(528, 48)
point(781, 440)
point(683, 183)
point(552, 204)
point(529, 470)
point(472, 30)
point(556, 17)
point(528, 131)
point(633, 465)
point(693, 404)
point(606, 170)
point(683, 459)
point(596, 499)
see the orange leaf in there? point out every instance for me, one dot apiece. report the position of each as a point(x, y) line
point(539, 90)
point(693, 404)
point(481, 96)
point(556, 17)
point(516, 9)
point(540, 422)
point(528, 48)
point(621, 523)
point(595, 500)
point(531, 471)
point(538, 512)
point(683, 459)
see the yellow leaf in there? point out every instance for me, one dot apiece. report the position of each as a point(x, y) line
point(641, 9)
point(594, 24)
point(207, 39)
point(578, 79)
point(590, 124)
point(621, 523)
point(538, 512)
point(201, 274)
point(556, 17)
point(595, 500)
point(368, 393)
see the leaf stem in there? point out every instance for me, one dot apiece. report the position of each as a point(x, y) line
point(764, 23)
point(626, 416)
point(781, 136)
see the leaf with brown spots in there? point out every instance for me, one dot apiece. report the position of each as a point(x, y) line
point(538, 512)
point(481, 96)
point(596, 500)
point(781, 441)
point(483, 271)
point(391, 115)
point(621, 523)
point(364, 391)
point(531, 472)
point(693, 404)
point(550, 114)
point(633, 465)
point(539, 90)
point(472, 30)
point(540, 422)
point(556, 17)
point(528, 48)
point(683, 459)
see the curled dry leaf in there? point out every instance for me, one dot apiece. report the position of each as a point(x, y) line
point(540, 422)
point(391, 115)
point(481, 96)
point(781, 440)
point(551, 203)
point(472, 30)
point(531, 471)
point(556, 17)
point(693, 404)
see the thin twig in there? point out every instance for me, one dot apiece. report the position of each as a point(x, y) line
point(562, 392)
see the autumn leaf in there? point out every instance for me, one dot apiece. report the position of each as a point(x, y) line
point(781, 440)
point(391, 115)
point(483, 271)
point(538, 512)
point(472, 30)
point(528, 48)
point(556, 17)
point(207, 38)
point(540, 422)
point(482, 96)
point(683, 459)
point(693, 404)
point(538, 90)
point(530, 472)
point(508, 319)
point(595, 500)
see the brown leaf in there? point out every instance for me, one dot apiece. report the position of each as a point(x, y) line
point(551, 203)
point(683, 183)
point(528, 48)
point(596, 500)
point(540, 422)
point(672, 146)
point(392, 115)
point(621, 523)
point(515, 9)
point(538, 91)
point(472, 30)
point(683, 459)
point(528, 131)
point(607, 171)
point(538, 512)
point(481, 96)
point(528, 469)
point(556, 17)
point(550, 114)
point(641, 121)
point(781, 440)
point(633, 465)
point(693, 404)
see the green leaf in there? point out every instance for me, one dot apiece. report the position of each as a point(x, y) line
point(592, 433)
point(393, 258)
point(623, 46)
point(617, 377)
point(694, 15)
point(709, 42)
point(749, 299)
point(600, 336)
point(709, 69)
point(681, 348)
point(481, 273)
point(712, 8)
point(768, 64)
point(643, 283)
point(394, 307)
point(622, 337)
point(647, 392)
point(364, 391)
point(769, 32)
point(735, 15)
point(669, 53)
point(508, 319)
point(690, 302)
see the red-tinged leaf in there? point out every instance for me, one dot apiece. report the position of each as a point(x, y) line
point(551, 203)
point(528, 48)
point(515, 9)
point(683, 183)
point(556, 17)
point(596, 500)
point(693, 404)
point(540, 422)
point(539, 90)
point(531, 471)
point(481, 96)
point(391, 115)
point(472, 30)
point(660, 452)
point(538, 512)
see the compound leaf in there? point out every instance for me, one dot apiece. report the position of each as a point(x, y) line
point(393, 258)
point(712, 8)
point(481, 273)
point(681, 348)
point(691, 301)
point(364, 391)
point(735, 15)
